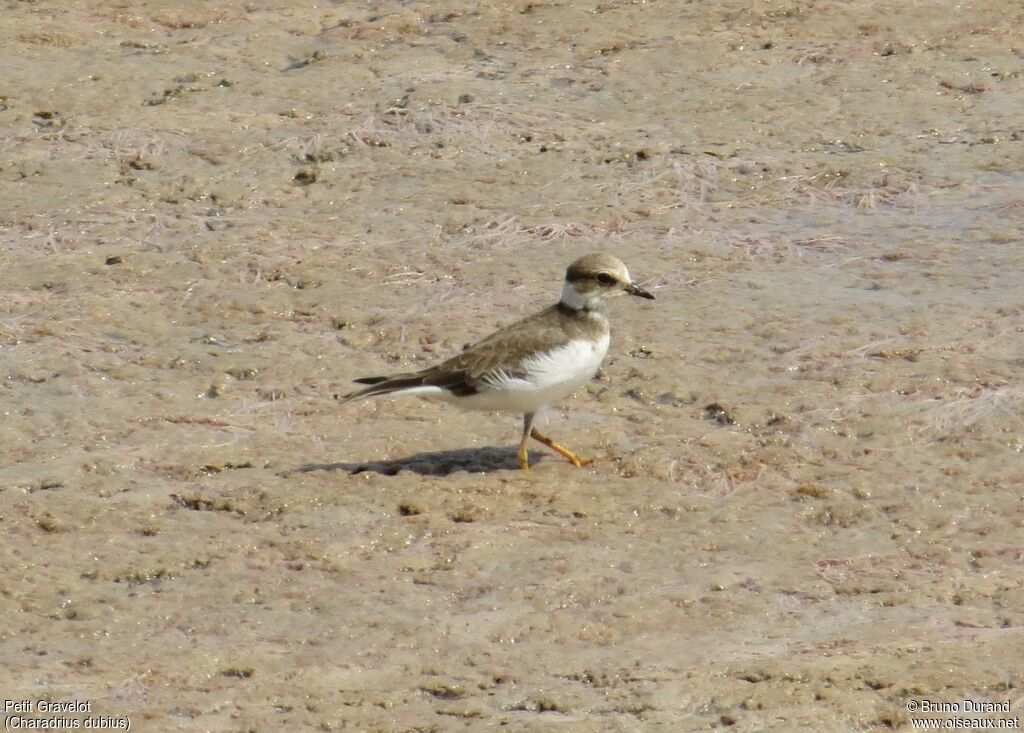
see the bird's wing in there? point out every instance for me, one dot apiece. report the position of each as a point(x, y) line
point(468, 372)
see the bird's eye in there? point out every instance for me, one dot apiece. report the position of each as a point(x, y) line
point(605, 279)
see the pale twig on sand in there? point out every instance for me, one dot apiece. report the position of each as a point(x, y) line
point(971, 407)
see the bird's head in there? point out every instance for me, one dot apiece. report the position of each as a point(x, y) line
point(594, 278)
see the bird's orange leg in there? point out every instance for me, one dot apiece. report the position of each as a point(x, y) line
point(560, 450)
point(524, 456)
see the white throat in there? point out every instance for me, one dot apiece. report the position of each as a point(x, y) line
point(572, 298)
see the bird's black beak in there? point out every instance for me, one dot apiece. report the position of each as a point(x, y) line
point(638, 291)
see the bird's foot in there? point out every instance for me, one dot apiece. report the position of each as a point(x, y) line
point(560, 450)
point(524, 459)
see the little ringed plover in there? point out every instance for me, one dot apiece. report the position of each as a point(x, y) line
point(531, 363)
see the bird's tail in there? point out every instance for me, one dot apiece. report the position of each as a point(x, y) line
point(382, 386)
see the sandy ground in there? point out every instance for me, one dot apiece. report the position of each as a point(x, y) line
point(807, 507)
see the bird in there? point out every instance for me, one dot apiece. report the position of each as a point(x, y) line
point(529, 364)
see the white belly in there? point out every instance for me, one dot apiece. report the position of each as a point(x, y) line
point(545, 378)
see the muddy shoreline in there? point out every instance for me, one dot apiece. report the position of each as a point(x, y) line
point(806, 510)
